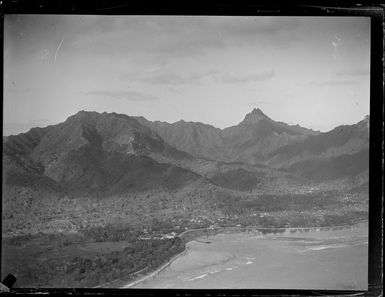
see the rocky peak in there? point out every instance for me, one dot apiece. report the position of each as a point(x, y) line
point(255, 116)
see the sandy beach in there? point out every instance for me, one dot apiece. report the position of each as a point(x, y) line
point(154, 273)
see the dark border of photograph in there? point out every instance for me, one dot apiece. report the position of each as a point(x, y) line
point(247, 8)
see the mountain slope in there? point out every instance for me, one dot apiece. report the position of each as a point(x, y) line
point(107, 153)
point(260, 140)
point(199, 140)
point(343, 151)
point(257, 135)
point(93, 153)
point(247, 142)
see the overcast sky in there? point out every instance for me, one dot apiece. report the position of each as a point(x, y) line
point(311, 71)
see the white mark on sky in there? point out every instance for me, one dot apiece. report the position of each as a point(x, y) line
point(336, 42)
point(153, 69)
point(44, 54)
point(57, 50)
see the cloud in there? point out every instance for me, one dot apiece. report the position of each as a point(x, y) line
point(179, 36)
point(21, 90)
point(353, 72)
point(331, 83)
point(152, 38)
point(168, 78)
point(251, 26)
point(194, 35)
point(247, 78)
point(175, 91)
point(126, 95)
point(258, 102)
point(197, 77)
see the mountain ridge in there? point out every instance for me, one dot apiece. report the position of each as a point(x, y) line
point(181, 120)
point(102, 150)
point(230, 143)
point(93, 151)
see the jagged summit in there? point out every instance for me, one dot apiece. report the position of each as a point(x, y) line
point(90, 113)
point(255, 116)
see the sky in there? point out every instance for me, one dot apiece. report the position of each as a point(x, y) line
point(311, 71)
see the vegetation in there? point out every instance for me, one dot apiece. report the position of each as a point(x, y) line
point(51, 241)
point(46, 260)
point(239, 179)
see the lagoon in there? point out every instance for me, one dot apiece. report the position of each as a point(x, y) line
point(317, 258)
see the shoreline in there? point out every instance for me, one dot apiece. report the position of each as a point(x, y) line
point(218, 230)
point(154, 273)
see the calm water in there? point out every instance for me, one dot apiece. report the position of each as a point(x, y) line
point(323, 259)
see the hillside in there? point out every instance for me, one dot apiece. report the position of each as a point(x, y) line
point(108, 153)
point(260, 140)
point(341, 152)
point(258, 135)
point(198, 139)
point(92, 153)
point(247, 142)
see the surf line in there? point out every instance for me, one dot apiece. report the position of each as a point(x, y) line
point(154, 273)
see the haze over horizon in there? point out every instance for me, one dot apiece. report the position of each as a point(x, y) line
point(311, 71)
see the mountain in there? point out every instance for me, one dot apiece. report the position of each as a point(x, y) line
point(92, 153)
point(257, 135)
point(199, 140)
point(343, 151)
point(247, 142)
point(258, 139)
